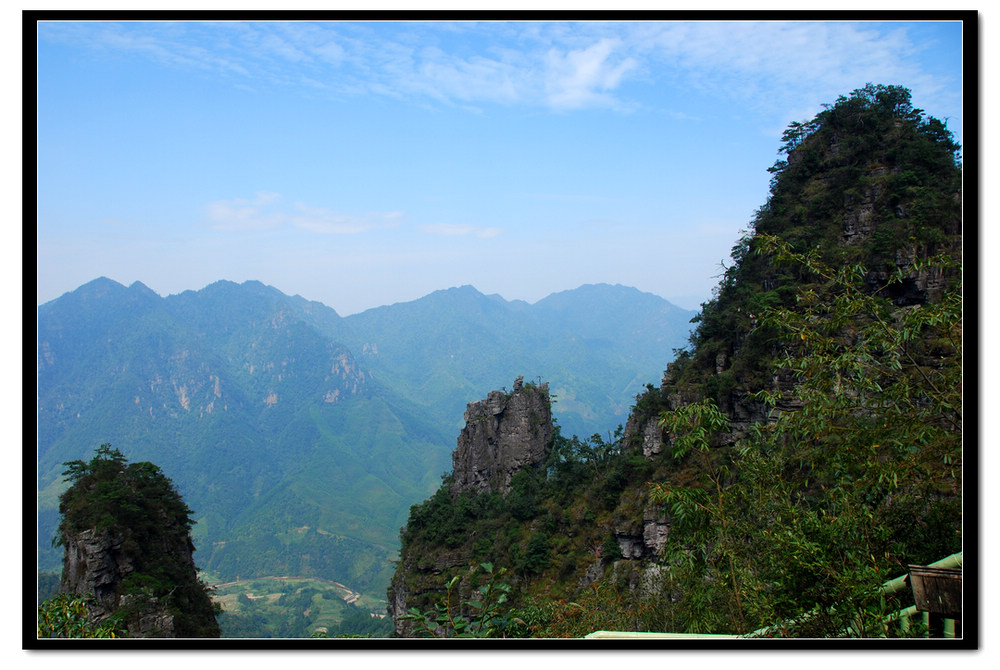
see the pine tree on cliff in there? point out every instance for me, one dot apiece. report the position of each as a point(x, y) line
point(126, 531)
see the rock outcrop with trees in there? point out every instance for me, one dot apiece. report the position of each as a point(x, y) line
point(128, 551)
point(805, 448)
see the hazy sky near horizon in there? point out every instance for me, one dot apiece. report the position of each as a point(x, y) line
point(361, 164)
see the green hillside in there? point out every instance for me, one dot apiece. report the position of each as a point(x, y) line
point(806, 447)
point(597, 345)
point(265, 424)
point(299, 438)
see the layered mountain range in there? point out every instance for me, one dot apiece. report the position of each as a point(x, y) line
point(301, 438)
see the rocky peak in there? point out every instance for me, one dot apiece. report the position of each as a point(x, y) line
point(503, 433)
point(128, 549)
point(95, 563)
point(98, 562)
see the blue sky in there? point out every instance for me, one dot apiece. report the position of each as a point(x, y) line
point(361, 164)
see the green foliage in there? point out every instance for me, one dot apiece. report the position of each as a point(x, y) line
point(593, 463)
point(872, 141)
point(806, 518)
point(297, 608)
point(443, 519)
point(359, 623)
point(871, 157)
point(536, 555)
point(545, 530)
point(138, 504)
point(601, 606)
point(610, 547)
point(870, 467)
point(595, 452)
point(522, 499)
point(706, 545)
point(485, 617)
point(67, 615)
point(840, 321)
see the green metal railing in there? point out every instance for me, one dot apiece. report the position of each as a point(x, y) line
point(905, 619)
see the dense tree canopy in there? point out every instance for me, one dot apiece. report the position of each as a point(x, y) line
point(137, 503)
point(107, 492)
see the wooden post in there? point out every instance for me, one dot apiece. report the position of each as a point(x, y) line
point(937, 591)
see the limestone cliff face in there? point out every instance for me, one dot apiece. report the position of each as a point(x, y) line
point(128, 549)
point(95, 563)
point(98, 563)
point(503, 434)
point(418, 576)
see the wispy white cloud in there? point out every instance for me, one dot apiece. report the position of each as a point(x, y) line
point(171, 46)
point(328, 222)
point(459, 230)
point(477, 79)
point(585, 77)
point(556, 65)
point(243, 214)
point(769, 66)
point(266, 211)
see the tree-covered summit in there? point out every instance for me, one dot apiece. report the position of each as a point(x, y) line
point(126, 533)
point(109, 493)
point(870, 180)
point(805, 449)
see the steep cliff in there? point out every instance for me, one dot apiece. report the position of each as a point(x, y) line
point(503, 434)
point(832, 353)
point(805, 448)
point(97, 563)
point(127, 545)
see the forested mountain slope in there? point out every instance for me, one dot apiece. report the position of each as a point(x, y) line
point(128, 555)
point(298, 437)
point(597, 345)
point(806, 447)
point(271, 430)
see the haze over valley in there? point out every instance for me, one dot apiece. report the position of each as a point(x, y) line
point(301, 438)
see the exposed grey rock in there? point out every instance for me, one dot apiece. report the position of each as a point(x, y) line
point(646, 431)
point(503, 434)
point(95, 564)
point(655, 529)
point(721, 362)
point(398, 595)
point(652, 439)
point(653, 577)
point(593, 573)
point(631, 546)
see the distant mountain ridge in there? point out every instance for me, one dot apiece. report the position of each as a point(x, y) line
point(598, 344)
point(300, 437)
